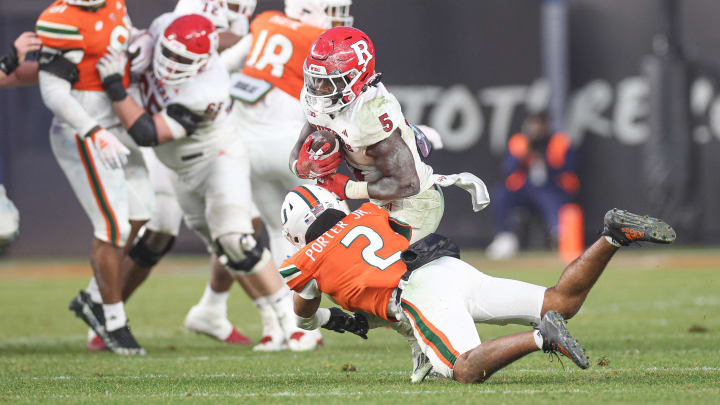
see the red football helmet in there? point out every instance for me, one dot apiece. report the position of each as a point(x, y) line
point(338, 68)
point(184, 48)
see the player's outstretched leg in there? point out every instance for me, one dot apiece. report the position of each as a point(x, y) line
point(620, 229)
point(551, 335)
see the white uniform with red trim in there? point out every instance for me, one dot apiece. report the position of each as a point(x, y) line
point(371, 118)
point(109, 197)
point(270, 118)
point(209, 169)
point(169, 219)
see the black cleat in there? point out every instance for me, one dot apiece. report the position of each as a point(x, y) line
point(91, 313)
point(123, 342)
point(119, 341)
point(625, 228)
point(556, 338)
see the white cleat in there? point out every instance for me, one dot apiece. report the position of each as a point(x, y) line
point(504, 246)
point(209, 321)
point(271, 342)
point(305, 340)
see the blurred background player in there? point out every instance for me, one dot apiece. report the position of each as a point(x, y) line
point(539, 176)
point(365, 262)
point(268, 117)
point(187, 97)
point(9, 216)
point(210, 315)
point(84, 136)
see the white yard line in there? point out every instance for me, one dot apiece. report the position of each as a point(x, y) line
point(379, 373)
point(290, 394)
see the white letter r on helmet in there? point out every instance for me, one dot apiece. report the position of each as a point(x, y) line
point(361, 50)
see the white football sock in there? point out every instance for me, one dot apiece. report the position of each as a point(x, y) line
point(538, 339)
point(282, 303)
point(267, 316)
point(213, 298)
point(114, 316)
point(94, 290)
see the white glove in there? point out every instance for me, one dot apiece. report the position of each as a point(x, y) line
point(112, 152)
point(468, 182)
point(141, 52)
point(433, 136)
point(113, 62)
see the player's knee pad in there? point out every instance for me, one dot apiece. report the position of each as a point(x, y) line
point(241, 253)
point(151, 247)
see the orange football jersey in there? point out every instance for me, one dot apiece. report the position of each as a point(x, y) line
point(278, 50)
point(72, 28)
point(357, 262)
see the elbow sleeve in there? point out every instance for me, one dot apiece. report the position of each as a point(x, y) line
point(143, 131)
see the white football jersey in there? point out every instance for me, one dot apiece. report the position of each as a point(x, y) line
point(371, 118)
point(206, 95)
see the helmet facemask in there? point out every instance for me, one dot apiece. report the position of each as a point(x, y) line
point(338, 14)
point(241, 7)
point(326, 93)
point(89, 4)
point(320, 13)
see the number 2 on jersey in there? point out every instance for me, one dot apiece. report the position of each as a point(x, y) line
point(276, 51)
point(369, 253)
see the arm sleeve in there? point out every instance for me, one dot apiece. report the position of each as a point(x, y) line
point(310, 290)
point(234, 57)
point(56, 94)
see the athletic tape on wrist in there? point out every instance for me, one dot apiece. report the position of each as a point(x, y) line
point(356, 190)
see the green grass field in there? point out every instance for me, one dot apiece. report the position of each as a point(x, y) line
point(651, 328)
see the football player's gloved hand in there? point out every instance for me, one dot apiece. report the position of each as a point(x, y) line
point(335, 183)
point(141, 52)
point(310, 166)
point(112, 152)
point(340, 321)
point(111, 68)
point(112, 63)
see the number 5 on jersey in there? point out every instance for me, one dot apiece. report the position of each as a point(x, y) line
point(275, 51)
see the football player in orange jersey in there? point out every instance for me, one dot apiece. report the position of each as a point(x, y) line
point(91, 148)
point(268, 115)
point(364, 262)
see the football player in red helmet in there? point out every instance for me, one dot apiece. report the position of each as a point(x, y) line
point(186, 104)
point(343, 93)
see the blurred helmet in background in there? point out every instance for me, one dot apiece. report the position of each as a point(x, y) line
point(320, 13)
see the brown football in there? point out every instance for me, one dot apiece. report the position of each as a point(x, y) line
point(322, 137)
